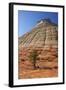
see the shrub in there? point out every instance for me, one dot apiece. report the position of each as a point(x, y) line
point(33, 57)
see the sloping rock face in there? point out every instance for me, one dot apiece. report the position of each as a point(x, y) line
point(42, 35)
point(44, 39)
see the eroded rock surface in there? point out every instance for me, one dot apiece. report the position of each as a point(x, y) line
point(44, 39)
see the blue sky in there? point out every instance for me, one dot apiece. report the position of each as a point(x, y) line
point(28, 19)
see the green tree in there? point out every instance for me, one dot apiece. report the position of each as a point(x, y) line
point(33, 57)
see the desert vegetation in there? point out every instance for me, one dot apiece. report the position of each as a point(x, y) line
point(33, 58)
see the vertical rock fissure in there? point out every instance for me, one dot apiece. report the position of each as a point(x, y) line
point(51, 37)
point(44, 32)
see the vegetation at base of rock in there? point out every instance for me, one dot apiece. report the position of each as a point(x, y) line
point(33, 57)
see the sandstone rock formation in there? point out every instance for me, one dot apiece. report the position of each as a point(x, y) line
point(44, 34)
point(44, 39)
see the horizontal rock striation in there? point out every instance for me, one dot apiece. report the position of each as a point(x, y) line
point(44, 34)
point(44, 39)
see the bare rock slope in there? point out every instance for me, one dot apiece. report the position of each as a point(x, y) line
point(45, 33)
point(44, 39)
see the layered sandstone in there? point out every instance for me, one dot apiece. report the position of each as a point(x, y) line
point(42, 35)
point(44, 39)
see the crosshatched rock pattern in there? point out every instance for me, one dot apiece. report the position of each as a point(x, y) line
point(44, 39)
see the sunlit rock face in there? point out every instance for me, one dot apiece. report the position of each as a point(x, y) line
point(44, 34)
point(44, 39)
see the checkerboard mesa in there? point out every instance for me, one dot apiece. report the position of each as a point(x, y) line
point(44, 34)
